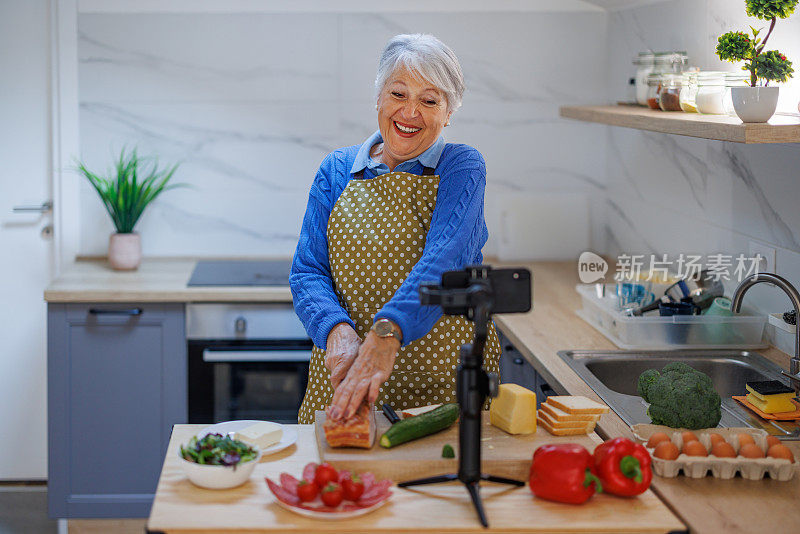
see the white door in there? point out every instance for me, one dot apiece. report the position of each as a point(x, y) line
point(26, 264)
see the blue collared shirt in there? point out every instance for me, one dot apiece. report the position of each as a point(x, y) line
point(455, 238)
point(429, 158)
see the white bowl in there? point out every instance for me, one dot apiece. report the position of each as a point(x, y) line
point(219, 476)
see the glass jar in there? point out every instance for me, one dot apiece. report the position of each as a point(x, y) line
point(671, 62)
point(669, 98)
point(653, 88)
point(710, 92)
point(733, 79)
point(644, 66)
point(689, 92)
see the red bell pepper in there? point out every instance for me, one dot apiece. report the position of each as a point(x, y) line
point(563, 473)
point(623, 467)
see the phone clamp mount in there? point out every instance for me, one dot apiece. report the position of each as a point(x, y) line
point(477, 292)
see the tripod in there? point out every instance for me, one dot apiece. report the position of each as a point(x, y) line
point(473, 385)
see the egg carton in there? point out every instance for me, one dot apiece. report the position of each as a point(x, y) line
point(724, 468)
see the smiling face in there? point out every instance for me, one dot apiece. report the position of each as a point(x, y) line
point(411, 115)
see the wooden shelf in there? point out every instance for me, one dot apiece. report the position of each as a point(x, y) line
point(779, 129)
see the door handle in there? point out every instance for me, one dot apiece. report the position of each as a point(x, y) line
point(131, 312)
point(44, 208)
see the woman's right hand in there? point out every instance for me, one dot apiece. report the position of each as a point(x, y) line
point(342, 348)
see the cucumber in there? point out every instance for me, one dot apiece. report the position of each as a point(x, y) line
point(422, 425)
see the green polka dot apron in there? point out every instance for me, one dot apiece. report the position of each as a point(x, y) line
point(376, 234)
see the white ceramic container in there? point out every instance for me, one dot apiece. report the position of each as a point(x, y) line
point(219, 476)
point(755, 104)
point(125, 251)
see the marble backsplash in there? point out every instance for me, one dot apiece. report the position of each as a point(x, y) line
point(251, 103)
point(672, 194)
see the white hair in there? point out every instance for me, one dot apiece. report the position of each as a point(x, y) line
point(427, 56)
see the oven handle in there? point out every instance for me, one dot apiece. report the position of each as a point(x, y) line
point(223, 356)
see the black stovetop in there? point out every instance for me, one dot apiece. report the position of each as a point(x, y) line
point(241, 273)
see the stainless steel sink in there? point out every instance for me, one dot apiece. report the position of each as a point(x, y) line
point(613, 375)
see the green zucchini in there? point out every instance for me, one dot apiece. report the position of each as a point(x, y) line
point(422, 425)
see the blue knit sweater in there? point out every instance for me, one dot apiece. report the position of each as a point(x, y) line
point(455, 239)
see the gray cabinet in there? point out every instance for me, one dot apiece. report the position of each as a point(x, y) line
point(515, 369)
point(116, 385)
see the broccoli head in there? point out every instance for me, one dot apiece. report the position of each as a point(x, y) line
point(680, 397)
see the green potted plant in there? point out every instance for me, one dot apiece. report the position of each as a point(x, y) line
point(138, 182)
point(757, 102)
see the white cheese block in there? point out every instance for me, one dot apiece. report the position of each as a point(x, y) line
point(262, 434)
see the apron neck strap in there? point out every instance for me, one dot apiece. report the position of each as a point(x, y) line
point(426, 171)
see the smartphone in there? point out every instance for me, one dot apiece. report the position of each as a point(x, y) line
point(510, 288)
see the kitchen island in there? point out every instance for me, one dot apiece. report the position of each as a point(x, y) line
point(181, 507)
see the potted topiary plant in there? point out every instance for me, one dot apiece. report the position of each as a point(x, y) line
point(757, 103)
point(125, 197)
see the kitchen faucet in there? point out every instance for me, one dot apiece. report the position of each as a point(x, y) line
point(794, 296)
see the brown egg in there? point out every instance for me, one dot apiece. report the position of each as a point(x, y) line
point(657, 438)
point(689, 436)
point(715, 438)
point(666, 450)
point(780, 451)
point(723, 449)
point(772, 440)
point(694, 448)
point(744, 439)
point(751, 450)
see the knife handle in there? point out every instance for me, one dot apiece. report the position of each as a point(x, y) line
point(390, 414)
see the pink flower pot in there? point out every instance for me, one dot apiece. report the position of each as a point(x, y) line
point(125, 251)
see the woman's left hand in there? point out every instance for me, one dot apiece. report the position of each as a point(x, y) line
point(364, 379)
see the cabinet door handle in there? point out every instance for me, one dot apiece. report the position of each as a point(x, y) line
point(132, 311)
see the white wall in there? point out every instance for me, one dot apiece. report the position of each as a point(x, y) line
point(672, 194)
point(251, 103)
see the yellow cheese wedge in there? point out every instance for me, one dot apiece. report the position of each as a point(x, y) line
point(514, 409)
point(773, 404)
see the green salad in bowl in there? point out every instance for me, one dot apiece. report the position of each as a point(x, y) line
point(218, 461)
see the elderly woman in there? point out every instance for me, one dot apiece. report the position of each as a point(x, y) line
point(382, 217)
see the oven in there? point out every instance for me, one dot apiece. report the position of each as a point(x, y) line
point(246, 361)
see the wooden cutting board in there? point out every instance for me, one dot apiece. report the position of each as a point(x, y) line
point(502, 454)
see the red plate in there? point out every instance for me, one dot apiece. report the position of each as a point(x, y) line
point(376, 494)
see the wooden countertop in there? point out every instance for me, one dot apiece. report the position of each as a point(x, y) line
point(707, 505)
point(156, 280)
point(180, 507)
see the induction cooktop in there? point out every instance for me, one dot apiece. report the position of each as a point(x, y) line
point(241, 273)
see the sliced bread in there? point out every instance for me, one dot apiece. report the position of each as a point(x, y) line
point(577, 404)
point(567, 431)
point(559, 415)
point(544, 416)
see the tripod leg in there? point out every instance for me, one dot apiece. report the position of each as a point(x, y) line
point(430, 480)
point(474, 491)
point(501, 480)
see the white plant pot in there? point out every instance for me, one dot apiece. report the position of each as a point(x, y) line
point(125, 251)
point(755, 104)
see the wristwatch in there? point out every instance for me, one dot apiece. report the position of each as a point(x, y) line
point(386, 328)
